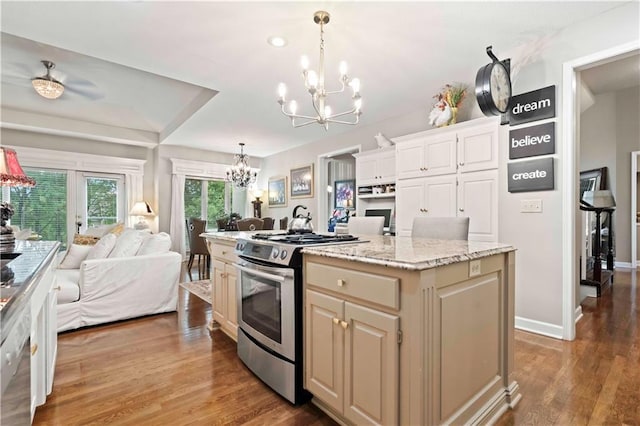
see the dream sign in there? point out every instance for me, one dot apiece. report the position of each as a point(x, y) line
point(531, 106)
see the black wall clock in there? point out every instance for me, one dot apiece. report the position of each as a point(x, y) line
point(493, 86)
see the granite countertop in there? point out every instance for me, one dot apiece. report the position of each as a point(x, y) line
point(409, 253)
point(19, 274)
point(232, 236)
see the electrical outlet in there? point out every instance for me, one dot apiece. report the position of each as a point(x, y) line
point(531, 206)
point(474, 268)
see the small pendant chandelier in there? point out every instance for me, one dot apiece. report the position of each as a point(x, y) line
point(315, 85)
point(241, 174)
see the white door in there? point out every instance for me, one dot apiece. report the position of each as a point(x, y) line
point(409, 204)
point(440, 196)
point(409, 159)
point(366, 170)
point(386, 167)
point(100, 200)
point(478, 200)
point(440, 154)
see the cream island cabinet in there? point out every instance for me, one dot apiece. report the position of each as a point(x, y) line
point(223, 284)
point(402, 330)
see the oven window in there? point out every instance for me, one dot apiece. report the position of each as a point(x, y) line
point(261, 305)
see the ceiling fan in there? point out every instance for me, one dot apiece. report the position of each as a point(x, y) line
point(51, 87)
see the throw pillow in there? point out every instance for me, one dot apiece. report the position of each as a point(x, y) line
point(75, 255)
point(101, 230)
point(85, 240)
point(103, 247)
point(155, 243)
point(128, 243)
point(118, 229)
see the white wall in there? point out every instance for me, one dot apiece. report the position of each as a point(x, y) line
point(598, 137)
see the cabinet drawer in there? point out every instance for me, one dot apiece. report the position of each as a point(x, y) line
point(384, 291)
point(222, 251)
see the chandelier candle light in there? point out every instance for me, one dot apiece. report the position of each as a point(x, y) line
point(241, 174)
point(315, 85)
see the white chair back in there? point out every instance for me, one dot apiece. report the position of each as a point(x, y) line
point(366, 225)
point(441, 228)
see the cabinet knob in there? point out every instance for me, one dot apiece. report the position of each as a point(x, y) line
point(341, 283)
point(344, 324)
point(58, 288)
point(224, 252)
point(336, 320)
point(461, 209)
point(34, 349)
point(461, 164)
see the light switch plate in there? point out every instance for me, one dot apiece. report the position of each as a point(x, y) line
point(474, 268)
point(531, 206)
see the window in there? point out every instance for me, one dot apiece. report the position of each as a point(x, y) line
point(208, 199)
point(42, 208)
point(101, 199)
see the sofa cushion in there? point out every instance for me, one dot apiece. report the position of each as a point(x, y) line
point(67, 281)
point(74, 257)
point(128, 243)
point(85, 240)
point(155, 243)
point(103, 247)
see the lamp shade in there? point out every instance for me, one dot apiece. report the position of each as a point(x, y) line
point(11, 174)
point(599, 199)
point(141, 208)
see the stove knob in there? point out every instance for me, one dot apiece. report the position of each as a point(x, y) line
point(283, 255)
point(275, 253)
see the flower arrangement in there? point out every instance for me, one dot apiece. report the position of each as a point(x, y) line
point(448, 100)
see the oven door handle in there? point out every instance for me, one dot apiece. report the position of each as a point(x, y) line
point(259, 273)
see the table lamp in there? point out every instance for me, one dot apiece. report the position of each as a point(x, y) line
point(11, 174)
point(142, 210)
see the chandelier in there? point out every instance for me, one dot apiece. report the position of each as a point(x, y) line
point(315, 85)
point(240, 173)
point(47, 86)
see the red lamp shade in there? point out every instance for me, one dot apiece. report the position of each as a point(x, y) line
point(11, 174)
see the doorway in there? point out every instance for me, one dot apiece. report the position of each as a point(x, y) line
point(325, 196)
point(572, 75)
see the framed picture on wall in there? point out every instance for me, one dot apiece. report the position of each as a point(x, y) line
point(301, 182)
point(344, 194)
point(277, 191)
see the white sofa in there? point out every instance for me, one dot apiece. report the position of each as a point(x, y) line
point(115, 288)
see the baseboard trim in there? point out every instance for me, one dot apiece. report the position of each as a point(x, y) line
point(578, 314)
point(539, 327)
point(626, 265)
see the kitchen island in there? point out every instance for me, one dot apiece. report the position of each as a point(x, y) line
point(403, 330)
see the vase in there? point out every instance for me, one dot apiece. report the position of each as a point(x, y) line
point(454, 115)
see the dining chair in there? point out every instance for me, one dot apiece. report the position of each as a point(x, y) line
point(198, 247)
point(250, 224)
point(284, 222)
point(441, 228)
point(268, 223)
point(365, 225)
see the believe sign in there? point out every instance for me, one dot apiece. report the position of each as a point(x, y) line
point(531, 106)
point(532, 141)
point(532, 175)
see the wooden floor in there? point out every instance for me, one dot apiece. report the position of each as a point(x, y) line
point(170, 370)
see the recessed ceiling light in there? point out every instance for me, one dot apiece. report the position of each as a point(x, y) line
point(277, 41)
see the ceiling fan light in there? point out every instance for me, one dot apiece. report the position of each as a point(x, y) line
point(50, 89)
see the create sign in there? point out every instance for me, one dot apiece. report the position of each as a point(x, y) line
point(533, 175)
point(531, 106)
point(532, 141)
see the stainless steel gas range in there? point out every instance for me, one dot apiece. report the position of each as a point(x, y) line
point(270, 307)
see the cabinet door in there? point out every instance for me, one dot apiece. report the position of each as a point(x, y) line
point(410, 159)
point(219, 292)
point(386, 167)
point(478, 148)
point(440, 196)
point(52, 335)
point(440, 155)
point(478, 199)
point(371, 368)
point(366, 170)
point(324, 348)
point(232, 304)
point(410, 203)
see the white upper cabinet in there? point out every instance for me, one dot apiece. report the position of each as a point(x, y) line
point(426, 156)
point(478, 148)
point(375, 167)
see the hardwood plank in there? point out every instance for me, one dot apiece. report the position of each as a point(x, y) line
point(169, 369)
